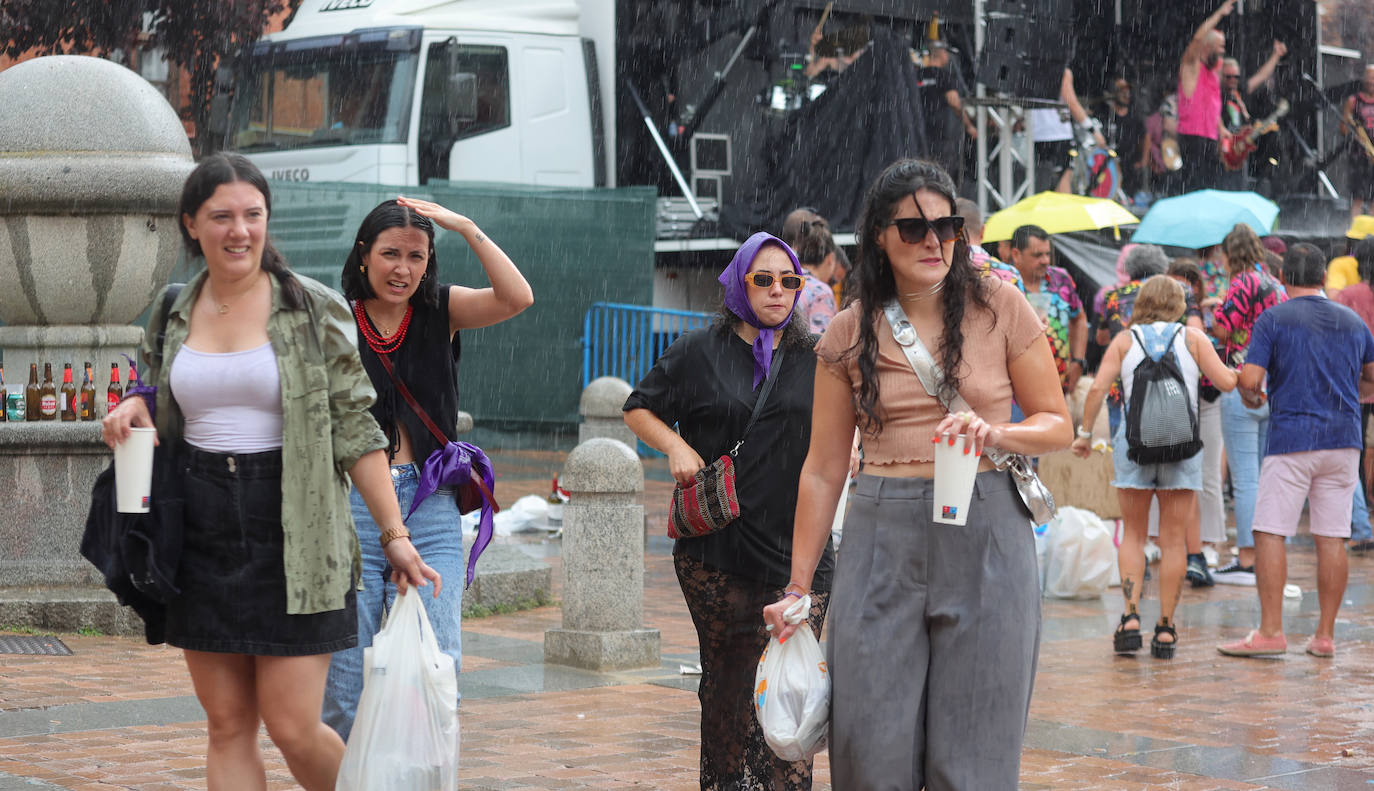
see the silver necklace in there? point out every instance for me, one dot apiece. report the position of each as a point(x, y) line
point(930, 292)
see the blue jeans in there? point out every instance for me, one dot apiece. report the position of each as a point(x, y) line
point(1359, 518)
point(1245, 432)
point(437, 535)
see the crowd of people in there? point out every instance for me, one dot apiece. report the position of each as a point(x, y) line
point(1267, 423)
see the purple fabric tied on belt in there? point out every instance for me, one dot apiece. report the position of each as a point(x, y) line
point(737, 296)
point(147, 392)
point(461, 464)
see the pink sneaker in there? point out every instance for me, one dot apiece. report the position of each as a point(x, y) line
point(1323, 647)
point(1256, 644)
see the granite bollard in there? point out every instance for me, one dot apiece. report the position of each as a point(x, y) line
point(603, 563)
point(602, 416)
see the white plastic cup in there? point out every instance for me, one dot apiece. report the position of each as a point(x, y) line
point(134, 471)
point(954, 474)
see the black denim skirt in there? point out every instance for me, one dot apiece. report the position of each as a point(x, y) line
point(232, 577)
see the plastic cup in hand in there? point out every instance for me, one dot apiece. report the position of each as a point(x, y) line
point(954, 474)
point(134, 471)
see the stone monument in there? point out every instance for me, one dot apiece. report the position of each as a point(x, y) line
point(603, 563)
point(92, 159)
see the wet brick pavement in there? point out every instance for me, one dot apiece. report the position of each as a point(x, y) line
point(118, 714)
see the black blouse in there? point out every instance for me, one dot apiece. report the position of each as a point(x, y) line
point(703, 384)
point(428, 364)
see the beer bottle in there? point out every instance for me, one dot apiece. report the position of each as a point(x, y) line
point(31, 411)
point(87, 397)
point(68, 394)
point(47, 395)
point(114, 392)
point(4, 395)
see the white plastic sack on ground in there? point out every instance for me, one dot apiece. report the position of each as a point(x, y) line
point(405, 736)
point(1080, 555)
point(792, 690)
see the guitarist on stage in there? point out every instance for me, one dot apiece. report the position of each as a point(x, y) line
point(1358, 117)
point(1235, 115)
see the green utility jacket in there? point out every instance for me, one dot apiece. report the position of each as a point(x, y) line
point(326, 428)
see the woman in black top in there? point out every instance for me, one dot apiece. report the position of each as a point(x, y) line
point(401, 311)
point(707, 383)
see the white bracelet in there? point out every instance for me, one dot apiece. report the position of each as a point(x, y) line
point(1083, 433)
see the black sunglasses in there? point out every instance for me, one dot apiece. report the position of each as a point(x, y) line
point(913, 230)
point(765, 280)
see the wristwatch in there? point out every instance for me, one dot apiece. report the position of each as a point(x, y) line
point(1082, 363)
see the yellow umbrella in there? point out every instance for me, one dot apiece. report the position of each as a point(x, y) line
point(1057, 212)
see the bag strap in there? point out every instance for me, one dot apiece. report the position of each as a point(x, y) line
point(425, 418)
point(763, 396)
point(169, 296)
point(922, 362)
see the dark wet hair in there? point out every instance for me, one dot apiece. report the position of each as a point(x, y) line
point(873, 284)
point(1364, 258)
point(227, 168)
point(1020, 238)
point(813, 243)
point(1304, 266)
point(388, 214)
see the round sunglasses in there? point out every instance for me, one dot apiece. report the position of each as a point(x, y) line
point(913, 230)
point(765, 280)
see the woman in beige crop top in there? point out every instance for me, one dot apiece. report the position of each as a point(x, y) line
point(959, 605)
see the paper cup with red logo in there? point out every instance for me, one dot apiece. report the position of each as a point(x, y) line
point(954, 474)
point(134, 471)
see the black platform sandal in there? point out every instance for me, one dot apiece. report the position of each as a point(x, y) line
point(1127, 641)
point(1160, 650)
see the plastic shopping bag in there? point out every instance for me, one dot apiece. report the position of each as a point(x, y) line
point(792, 690)
point(405, 737)
point(1080, 557)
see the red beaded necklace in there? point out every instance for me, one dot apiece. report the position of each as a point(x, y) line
point(374, 338)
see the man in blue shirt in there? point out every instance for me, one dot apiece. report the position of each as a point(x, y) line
point(1317, 356)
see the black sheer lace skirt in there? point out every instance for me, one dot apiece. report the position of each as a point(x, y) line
point(728, 613)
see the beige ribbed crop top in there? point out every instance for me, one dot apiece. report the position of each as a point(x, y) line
point(992, 339)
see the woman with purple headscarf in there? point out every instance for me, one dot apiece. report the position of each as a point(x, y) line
point(707, 383)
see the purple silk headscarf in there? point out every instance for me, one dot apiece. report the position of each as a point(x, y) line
point(737, 296)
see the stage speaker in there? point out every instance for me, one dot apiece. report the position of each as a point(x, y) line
point(1026, 49)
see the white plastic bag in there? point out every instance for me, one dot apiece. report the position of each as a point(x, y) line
point(792, 690)
point(405, 737)
point(1080, 556)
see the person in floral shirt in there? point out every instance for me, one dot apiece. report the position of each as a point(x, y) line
point(816, 251)
point(984, 262)
point(1054, 296)
point(1245, 430)
point(1140, 263)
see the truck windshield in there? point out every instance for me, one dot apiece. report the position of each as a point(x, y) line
point(337, 92)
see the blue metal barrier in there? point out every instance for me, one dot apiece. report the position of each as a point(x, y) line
point(625, 340)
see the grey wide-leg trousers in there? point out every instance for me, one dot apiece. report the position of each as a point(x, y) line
point(933, 634)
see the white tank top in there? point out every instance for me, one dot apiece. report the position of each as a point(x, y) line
point(1160, 330)
point(231, 402)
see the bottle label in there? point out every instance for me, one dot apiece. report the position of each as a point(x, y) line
point(65, 406)
point(111, 401)
point(48, 404)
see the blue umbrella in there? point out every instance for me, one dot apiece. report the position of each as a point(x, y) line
point(1203, 218)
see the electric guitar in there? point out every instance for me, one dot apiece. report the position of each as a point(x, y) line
point(1238, 146)
point(1362, 135)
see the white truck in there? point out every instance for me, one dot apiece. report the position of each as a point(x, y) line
point(402, 91)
